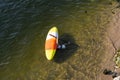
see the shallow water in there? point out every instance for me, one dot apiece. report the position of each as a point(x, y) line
point(23, 28)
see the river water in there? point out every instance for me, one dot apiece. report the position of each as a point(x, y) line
point(23, 28)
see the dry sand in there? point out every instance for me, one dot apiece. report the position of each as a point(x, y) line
point(112, 44)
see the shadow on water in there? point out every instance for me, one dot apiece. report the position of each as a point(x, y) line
point(63, 54)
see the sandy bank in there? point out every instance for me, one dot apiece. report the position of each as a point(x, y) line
point(112, 43)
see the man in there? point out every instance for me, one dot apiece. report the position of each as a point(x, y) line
point(63, 46)
point(115, 75)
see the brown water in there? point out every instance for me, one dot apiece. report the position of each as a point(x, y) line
point(23, 28)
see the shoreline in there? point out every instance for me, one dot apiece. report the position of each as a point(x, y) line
point(112, 43)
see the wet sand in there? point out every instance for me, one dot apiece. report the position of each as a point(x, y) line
point(112, 43)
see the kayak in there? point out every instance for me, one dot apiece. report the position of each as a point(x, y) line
point(51, 43)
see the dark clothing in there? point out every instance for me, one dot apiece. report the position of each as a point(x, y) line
point(115, 74)
point(109, 72)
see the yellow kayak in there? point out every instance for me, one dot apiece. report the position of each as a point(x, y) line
point(51, 43)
